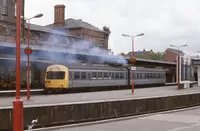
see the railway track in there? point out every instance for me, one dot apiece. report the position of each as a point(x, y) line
point(23, 92)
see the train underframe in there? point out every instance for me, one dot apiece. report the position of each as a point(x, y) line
point(93, 89)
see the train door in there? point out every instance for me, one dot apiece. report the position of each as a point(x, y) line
point(128, 77)
point(70, 79)
point(89, 78)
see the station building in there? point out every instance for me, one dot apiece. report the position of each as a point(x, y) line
point(54, 43)
point(48, 42)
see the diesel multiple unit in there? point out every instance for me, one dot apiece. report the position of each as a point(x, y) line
point(98, 75)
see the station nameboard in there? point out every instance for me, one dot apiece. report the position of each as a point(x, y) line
point(186, 73)
point(196, 62)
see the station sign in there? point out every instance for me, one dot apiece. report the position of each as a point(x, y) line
point(133, 68)
point(196, 62)
point(26, 64)
point(186, 72)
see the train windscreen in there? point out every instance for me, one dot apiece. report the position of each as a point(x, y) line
point(55, 75)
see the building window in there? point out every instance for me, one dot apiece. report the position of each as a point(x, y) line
point(15, 8)
point(4, 7)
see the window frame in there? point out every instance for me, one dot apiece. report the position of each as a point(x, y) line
point(4, 9)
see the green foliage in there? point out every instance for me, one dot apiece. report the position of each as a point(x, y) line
point(152, 56)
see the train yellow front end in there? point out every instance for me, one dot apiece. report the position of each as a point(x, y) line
point(56, 77)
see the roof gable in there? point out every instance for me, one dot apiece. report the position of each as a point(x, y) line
point(175, 51)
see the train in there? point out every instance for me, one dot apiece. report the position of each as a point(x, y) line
point(75, 76)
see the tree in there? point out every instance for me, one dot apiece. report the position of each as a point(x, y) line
point(106, 29)
point(152, 56)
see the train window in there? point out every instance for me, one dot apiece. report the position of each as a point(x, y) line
point(145, 75)
point(116, 75)
point(83, 75)
point(99, 75)
point(162, 76)
point(105, 75)
point(154, 75)
point(158, 75)
point(76, 75)
point(137, 76)
point(121, 75)
point(151, 75)
point(94, 75)
point(55, 75)
point(113, 75)
point(140, 75)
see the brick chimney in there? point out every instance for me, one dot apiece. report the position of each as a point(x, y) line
point(59, 15)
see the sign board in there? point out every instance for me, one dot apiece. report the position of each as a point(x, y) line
point(186, 71)
point(55, 68)
point(26, 64)
point(196, 62)
point(29, 77)
point(133, 68)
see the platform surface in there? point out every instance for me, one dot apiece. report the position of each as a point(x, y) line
point(38, 100)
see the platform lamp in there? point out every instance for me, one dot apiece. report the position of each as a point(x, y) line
point(178, 47)
point(18, 124)
point(28, 51)
point(132, 37)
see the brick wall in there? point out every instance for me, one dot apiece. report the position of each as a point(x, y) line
point(7, 21)
point(75, 32)
point(92, 35)
point(170, 56)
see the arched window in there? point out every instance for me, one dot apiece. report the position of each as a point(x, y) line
point(4, 7)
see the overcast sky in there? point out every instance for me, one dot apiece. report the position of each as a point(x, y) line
point(163, 22)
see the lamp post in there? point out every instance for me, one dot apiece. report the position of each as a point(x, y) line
point(28, 53)
point(18, 124)
point(178, 46)
point(125, 35)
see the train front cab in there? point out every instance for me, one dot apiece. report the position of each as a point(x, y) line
point(56, 78)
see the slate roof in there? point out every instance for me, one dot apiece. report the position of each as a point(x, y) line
point(45, 29)
point(73, 23)
point(175, 51)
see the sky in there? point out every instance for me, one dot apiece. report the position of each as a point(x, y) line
point(163, 22)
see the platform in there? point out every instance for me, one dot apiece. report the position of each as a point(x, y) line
point(153, 92)
point(51, 110)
